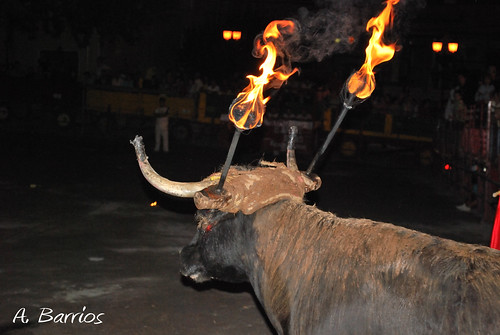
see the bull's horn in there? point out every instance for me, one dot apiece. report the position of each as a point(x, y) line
point(178, 189)
point(291, 162)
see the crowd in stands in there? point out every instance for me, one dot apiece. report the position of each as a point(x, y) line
point(466, 97)
point(470, 135)
point(299, 91)
point(295, 92)
point(178, 82)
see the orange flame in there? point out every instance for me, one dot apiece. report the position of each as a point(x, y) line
point(247, 110)
point(362, 83)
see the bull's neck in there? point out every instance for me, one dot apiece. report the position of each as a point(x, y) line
point(275, 235)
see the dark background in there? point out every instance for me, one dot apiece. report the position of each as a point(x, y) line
point(133, 36)
point(76, 224)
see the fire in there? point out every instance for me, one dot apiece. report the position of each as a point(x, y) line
point(362, 83)
point(247, 110)
point(153, 204)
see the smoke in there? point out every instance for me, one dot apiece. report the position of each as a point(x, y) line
point(310, 37)
point(324, 33)
point(338, 26)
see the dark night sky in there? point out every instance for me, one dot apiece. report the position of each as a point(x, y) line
point(167, 33)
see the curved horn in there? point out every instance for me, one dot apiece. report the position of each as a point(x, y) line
point(178, 189)
point(291, 163)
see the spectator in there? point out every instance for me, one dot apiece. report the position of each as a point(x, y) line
point(195, 87)
point(492, 72)
point(485, 90)
point(150, 78)
point(213, 88)
point(465, 93)
point(116, 81)
point(496, 109)
point(161, 126)
point(103, 72)
point(459, 112)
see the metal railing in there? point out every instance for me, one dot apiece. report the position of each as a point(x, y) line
point(470, 152)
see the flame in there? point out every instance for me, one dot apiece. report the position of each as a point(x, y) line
point(362, 83)
point(153, 204)
point(247, 109)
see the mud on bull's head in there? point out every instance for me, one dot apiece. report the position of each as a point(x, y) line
point(224, 218)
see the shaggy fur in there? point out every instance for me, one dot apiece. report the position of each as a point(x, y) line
point(315, 273)
point(320, 274)
point(249, 189)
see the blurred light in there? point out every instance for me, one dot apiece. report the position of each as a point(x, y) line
point(227, 34)
point(153, 204)
point(447, 167)
point(437, 46)
point(337, 40)
point(236, 35)
point(452, 47)
point(230, 34)
point(351, 39)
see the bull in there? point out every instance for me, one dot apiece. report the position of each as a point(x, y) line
point(316, 273)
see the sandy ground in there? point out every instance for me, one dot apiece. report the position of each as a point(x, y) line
point(78, 234)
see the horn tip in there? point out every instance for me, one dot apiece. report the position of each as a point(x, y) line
point(140, 150)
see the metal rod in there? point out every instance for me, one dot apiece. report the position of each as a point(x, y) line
point(291, 161)
point(347, 107)
point(229, 158)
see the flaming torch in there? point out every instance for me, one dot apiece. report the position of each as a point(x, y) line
point(248, 108)
point(361, 84)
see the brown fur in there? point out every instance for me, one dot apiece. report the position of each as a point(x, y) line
point(316, 273)
point(248, 190)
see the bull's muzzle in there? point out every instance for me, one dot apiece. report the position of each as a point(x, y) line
point(191, 265)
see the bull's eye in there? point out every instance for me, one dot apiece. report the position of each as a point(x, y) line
point(205, 227)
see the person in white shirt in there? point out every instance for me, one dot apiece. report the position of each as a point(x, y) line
point(161, 126)
point(485, 91)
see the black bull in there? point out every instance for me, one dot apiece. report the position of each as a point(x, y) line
point(316, 273)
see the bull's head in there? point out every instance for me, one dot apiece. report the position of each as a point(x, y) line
point(223, 217)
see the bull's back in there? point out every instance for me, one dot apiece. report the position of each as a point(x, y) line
point(321, 273)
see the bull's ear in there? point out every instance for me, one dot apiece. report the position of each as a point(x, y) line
point(312, 182)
